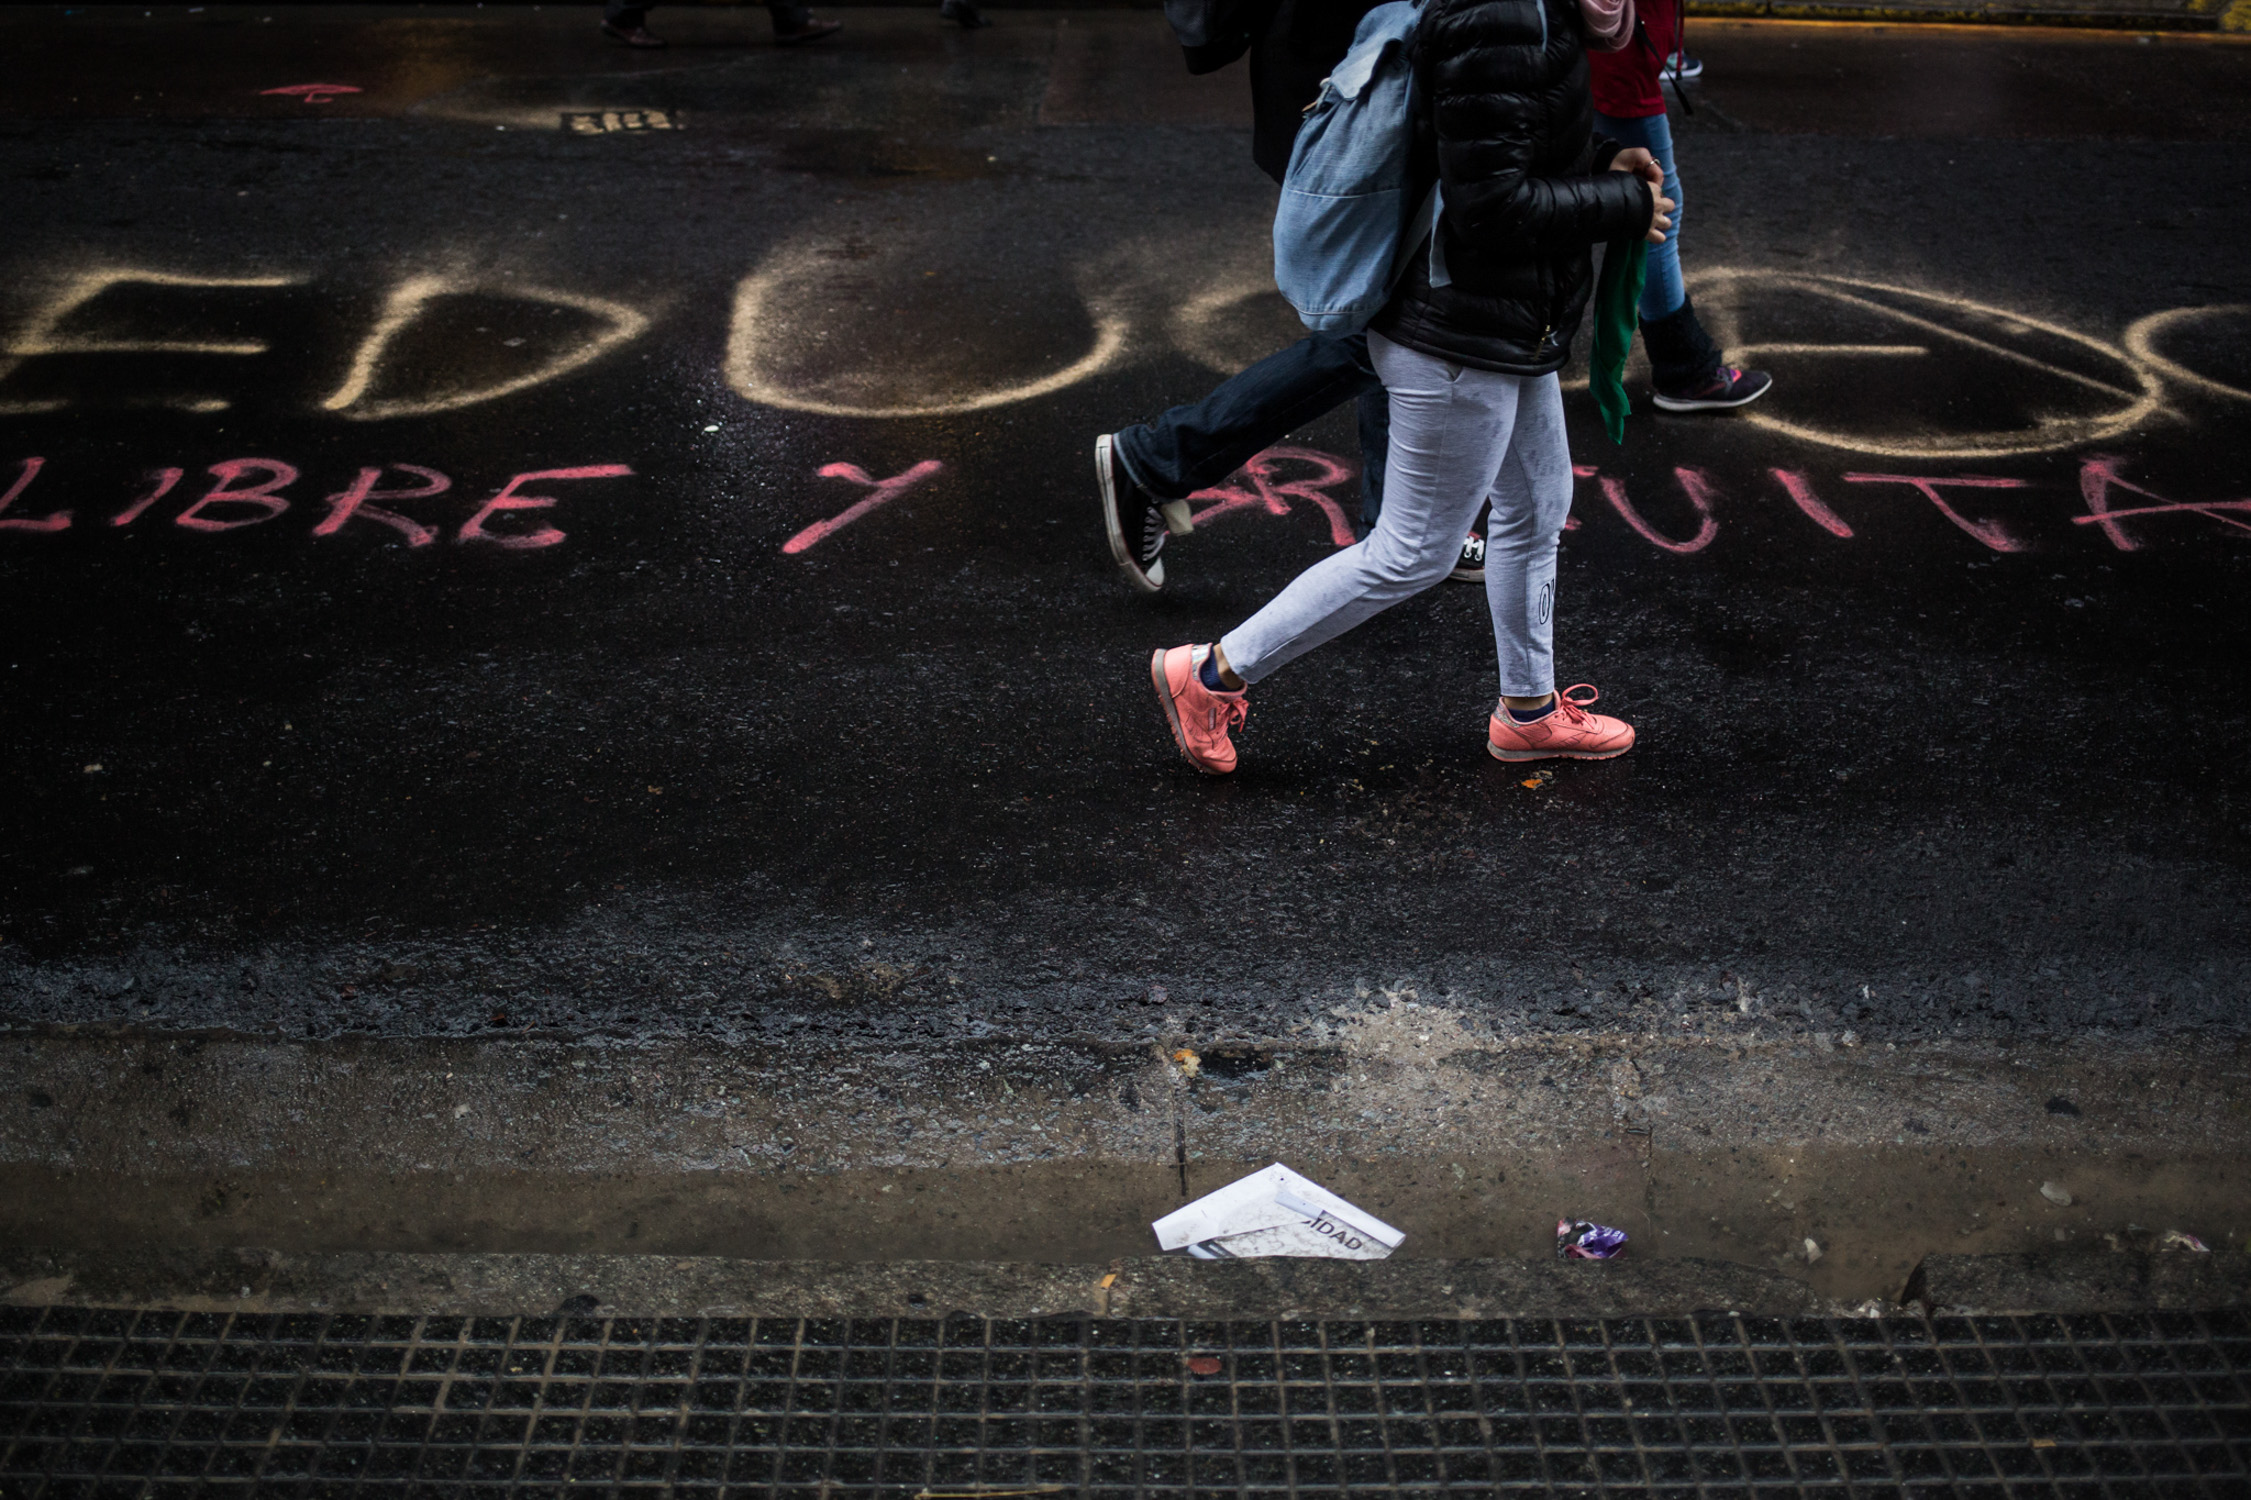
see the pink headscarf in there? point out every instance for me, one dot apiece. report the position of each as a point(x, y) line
point(1610, 23)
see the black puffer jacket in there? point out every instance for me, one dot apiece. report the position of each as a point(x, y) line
point(1509, 128)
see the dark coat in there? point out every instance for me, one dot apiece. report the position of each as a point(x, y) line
point(1509, 128)
point(1293, 44)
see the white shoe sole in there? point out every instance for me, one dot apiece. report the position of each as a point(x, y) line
point(1121, 551)
point(1674, 403)
point(1516, 757)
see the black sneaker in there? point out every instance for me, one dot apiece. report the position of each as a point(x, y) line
point(962, 13)
point(1135, 520)
point(1683, 67)
point(1470, 566)
point(1727, 387)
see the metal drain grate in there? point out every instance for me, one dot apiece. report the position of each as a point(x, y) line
point(163, 1403)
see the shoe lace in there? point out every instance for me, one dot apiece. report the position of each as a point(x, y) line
point(1234, 709)
point(1152, 533)
point(1573, 711)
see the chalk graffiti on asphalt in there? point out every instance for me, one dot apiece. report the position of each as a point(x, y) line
point(2098, 476)
point(880, 492)
point(1264, 484)
point(362, 395)
point(314, 93)
point(248, 492)
point(421, 355)
point(45, 336)
point(1863, 366)
point(766, 329)
point(1281, 478)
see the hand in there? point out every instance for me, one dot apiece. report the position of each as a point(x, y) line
point(1660, 218)
point(1637, 160)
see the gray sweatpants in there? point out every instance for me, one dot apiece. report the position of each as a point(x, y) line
point(1459, 437)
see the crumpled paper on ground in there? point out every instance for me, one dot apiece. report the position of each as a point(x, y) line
point(1275, 1212)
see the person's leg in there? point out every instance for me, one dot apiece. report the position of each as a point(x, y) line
point(1195, 446)
point(1662, 290)
point(1373, 407)
point(1685, 365)
point(624, 16)
point(1531, 501)
point(1449, 429)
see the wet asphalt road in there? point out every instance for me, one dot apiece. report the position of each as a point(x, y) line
point(1926, 746)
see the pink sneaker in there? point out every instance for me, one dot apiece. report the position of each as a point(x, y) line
point(1200, 718)
point(1570, 732)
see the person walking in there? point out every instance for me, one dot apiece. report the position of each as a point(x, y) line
point(1685, 366)
point(1504, 122)
point(1145, 473)
point(626, 21)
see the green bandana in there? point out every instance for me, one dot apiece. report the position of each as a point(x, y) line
point(1617, 304)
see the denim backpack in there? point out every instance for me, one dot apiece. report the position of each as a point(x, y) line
point(1344, 227)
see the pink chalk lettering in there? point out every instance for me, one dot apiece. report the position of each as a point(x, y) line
point(262, 495)
point(347, 504)
point(161, 484)
point(1694, 483)
point(880, 492)
point(1800, 489)
point(1992, 533)
point(1579, 471)
point(313, 93)
point(54, 521)
point(1260, 484)
point(473, 529)
point(2098, 476)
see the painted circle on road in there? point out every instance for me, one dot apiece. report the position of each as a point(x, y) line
point(1906, 373)
point(2143, 337)
point(856, 335)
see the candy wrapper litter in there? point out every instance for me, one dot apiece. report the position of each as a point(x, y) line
point(1578, 1239)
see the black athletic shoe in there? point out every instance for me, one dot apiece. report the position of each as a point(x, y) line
point(1687, 67)
point(1470, 566)
point(963, 13)
point(1727, 387)
point(1135, 520)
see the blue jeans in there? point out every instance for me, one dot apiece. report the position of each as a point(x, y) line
point(1664, 292)
point(1194, 447)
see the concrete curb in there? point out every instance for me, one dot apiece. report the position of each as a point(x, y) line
point(1841, 1167)
point(250, 1280)
point(257, 1280)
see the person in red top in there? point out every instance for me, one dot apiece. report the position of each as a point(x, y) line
point(1629, 102)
